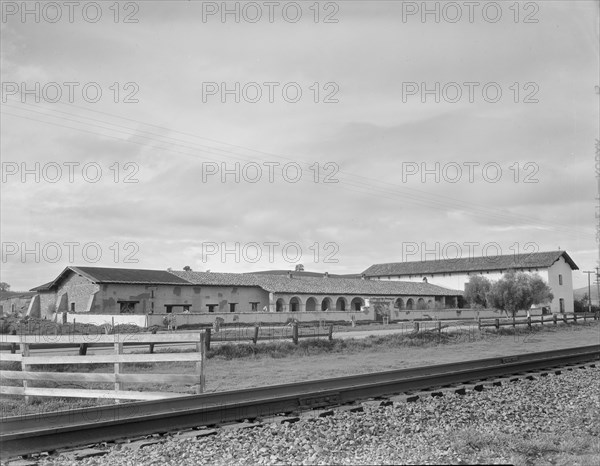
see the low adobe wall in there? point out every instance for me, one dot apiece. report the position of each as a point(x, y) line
point(142, 320)
point(262, 317)
point(208, 319)
point(103, 319)
point(441, 314)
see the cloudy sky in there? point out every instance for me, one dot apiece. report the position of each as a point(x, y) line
point(334, 134)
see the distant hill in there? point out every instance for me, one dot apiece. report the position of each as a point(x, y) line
point(581, 292)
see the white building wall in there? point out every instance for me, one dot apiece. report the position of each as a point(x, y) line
point(564, 291)
point(457, 281)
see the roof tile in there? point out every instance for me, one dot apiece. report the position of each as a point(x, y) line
point(470, 264)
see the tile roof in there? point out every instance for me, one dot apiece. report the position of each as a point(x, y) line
point(301, 274)
point(316, 285)
point(471, 264)
point(44, 287)
point(115, 275)
point(272, 283)
point(133, 276)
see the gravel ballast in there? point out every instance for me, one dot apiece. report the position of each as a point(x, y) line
point(548, 420)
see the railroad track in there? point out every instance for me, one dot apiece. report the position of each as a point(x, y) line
point(30, 434)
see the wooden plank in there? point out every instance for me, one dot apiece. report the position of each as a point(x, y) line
point(100, 377)
point(7, 390)
point(201, 348)
point(10, 357)
point(173, 337)
point(76, 393)
point(158, 378)
point(59, 376)
point(112, 358)
point(25, 353)
point(117, 366)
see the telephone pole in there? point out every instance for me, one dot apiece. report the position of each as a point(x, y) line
point(597, 170)
point(598, 285)
point(589, 272)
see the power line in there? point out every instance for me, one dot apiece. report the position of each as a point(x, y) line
point(363, 184)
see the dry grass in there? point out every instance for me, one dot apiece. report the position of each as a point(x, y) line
point(539, 449)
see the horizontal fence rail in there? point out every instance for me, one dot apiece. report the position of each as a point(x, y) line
point(256, 333)
point(548, 319)
point(117, 359)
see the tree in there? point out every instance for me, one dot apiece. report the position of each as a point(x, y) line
point(477, 290)
point(4, 286)
point(541, 292)
point(187, 268)
point(580, 305)
point(516, 291)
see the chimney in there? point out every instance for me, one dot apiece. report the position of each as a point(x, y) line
point(290, 274)
point(362, 276)
point(326, 274)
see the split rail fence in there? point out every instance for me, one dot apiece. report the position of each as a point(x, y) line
point(257, 333)
point(548, 319)
point(118, 358)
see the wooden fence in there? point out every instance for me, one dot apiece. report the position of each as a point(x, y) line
point(118, 358)
point(548, 319)
point(258, 333)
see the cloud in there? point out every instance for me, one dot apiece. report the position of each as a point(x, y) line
point(371, 133)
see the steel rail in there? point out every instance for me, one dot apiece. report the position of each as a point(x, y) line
point(34, 433)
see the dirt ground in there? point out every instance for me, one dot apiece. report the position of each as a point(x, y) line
point(253, 372)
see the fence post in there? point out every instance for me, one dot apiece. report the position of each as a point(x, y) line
point(542, 319)
point(479, 323)
point(529, 321)
point(13, 346)
point(83, 349)
point(256, 330)
point(497, 324)
point(554, 319)
point(330, 336)
point(295, 333)
point(585, 317)
point(154, 330)
point(574, 318)
point(416, 327)
point(565, 317)
point(24, 367)
point(117, 368)
point(201, 347)
point(207, 338)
